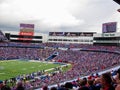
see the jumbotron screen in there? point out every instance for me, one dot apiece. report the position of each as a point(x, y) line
point(109, 27)
point(26, 30)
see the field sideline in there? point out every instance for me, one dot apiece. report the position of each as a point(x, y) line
point(13, 68)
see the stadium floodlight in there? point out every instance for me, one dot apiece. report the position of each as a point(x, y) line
point(117, 1)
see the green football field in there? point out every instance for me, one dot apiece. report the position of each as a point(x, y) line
point(13, 68)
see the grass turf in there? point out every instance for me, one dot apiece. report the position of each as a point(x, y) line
point(13, 68)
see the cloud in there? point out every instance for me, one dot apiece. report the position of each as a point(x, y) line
point(57, 15)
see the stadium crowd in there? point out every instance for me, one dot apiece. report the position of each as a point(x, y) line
point(58, 45)
point(106, 81)
point(83, 63)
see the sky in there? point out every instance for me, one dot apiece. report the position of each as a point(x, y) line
point(58, 15)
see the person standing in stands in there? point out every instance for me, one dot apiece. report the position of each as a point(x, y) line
point(1, 84)
point(82, 85)
point(106, 82)
point(117, 78)
point(19, 86)
point(91, 85)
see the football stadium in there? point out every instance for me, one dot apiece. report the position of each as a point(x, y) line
point(60, 60)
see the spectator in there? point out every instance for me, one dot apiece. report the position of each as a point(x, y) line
point(106, 82)
point(118, 80)
point(91, 85)
point(97, 83)
point(45, 87)
point(5, 87)
point(83, 85)
point(1, 84)
point(53, 88)
point(19, 86)
point(68, 85)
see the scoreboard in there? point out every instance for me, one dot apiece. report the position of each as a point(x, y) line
point(26, 30)
point(26, 35)
point(109, 27)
